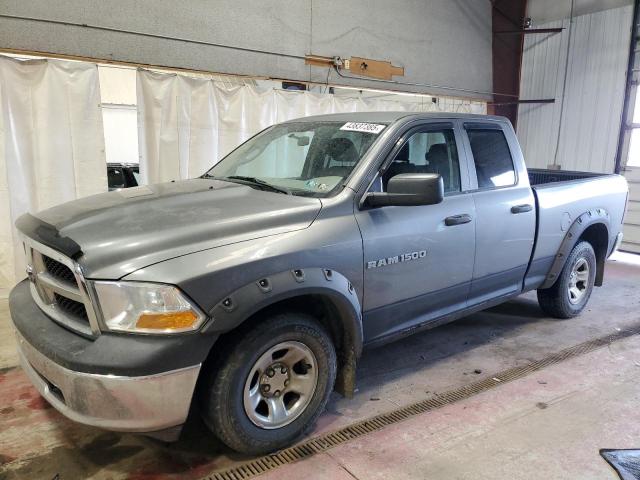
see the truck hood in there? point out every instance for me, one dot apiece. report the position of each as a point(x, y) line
point(122, 231)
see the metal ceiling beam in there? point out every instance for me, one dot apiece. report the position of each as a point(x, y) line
point(527, 101)
point(526, 31)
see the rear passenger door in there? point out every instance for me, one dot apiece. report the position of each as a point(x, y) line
point(505, 211)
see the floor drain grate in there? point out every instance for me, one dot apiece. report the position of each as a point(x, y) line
point(329, 440)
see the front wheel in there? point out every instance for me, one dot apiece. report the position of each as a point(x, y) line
point(569, 295)
point(272, 385)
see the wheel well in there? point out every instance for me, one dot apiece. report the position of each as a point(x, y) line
point(598, 236)
point(325, 310)
point(318, 306)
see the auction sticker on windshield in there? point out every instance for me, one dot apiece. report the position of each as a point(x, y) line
point(363, 127)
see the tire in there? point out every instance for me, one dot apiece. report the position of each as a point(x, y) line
point(229, 402)
point(569, 295)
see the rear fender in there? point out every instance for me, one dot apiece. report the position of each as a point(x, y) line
point(573, 235)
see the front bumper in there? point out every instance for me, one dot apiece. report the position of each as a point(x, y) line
point(128, 404)
point(126, 383)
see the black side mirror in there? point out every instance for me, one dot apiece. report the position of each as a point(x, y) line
point(409, 189)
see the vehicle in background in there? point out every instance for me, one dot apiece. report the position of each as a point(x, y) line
point(255, 287)
point(123, 175)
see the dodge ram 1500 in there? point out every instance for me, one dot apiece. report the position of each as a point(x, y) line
point(253, 289)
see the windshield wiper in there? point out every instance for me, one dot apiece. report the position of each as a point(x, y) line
point(256, 181)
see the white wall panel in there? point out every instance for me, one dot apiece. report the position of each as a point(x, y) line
point(541, 77)
point(542, 11)
point(631, 241)
point(594, 93)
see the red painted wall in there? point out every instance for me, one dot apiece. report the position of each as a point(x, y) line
point(507, 15)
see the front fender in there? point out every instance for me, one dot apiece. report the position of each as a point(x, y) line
point(249, 299)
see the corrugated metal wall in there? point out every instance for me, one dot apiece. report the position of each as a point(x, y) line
point(594, 94)
point(631, 240)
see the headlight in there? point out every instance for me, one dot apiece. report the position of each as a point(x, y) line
point(146, 308)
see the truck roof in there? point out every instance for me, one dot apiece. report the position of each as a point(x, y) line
point(390, 117)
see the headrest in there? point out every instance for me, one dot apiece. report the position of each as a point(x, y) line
point(342, 150)
point(437, 150)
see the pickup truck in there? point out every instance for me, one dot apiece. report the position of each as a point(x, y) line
point(249, 293)
point(122, 175)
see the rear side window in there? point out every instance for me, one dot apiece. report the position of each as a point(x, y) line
point(492, 157)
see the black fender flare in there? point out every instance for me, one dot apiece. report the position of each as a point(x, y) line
point(575, 231)
point(244, 302)
point(249, 299)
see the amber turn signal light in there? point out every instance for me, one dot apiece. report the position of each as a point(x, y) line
point(167, 321)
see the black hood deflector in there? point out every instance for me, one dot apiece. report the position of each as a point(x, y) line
point(48, 235)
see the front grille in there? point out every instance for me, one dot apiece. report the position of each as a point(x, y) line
point(71, 307)
point(59, 270)
point(58, 291)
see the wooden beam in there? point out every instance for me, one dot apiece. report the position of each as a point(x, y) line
point(319, 61)
point(366, 67)
point(362, 67)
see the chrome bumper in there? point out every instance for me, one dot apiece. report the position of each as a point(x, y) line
point(127, 404)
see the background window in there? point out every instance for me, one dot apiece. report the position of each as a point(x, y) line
point(492, 157)
point(428, 152)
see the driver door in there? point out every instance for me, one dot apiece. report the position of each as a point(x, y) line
point(418, 260)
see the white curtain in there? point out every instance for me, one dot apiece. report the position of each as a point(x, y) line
point(51, 144)
point(186, 124)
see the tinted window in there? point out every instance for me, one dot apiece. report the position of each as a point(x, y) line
point(428, 152)
point(115, 177)
point(136, 177)
point(492, 158)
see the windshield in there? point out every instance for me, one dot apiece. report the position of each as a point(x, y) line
point(301, 158)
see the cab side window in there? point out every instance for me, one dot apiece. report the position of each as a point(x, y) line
point(433, 151)
point(492, 158)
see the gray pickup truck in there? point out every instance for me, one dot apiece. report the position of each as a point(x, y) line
point(250, 292)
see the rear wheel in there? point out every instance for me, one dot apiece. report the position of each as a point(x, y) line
point(272, 385)
point(569, 295)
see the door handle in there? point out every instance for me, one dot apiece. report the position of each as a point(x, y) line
point(521, 208)
point(457, 219)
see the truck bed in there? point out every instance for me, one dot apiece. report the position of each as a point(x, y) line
point(539, 176)
point(561, 197)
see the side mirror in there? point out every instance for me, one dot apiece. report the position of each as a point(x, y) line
point(409, 189)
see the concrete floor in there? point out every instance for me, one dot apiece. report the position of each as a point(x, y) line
point(547, 425)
